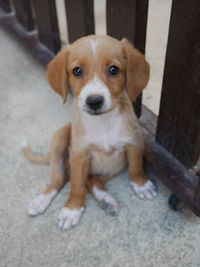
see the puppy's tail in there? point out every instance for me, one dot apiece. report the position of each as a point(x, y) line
point(28, 154)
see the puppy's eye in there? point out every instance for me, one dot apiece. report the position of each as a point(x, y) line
point(77, 71)
point(113, 70)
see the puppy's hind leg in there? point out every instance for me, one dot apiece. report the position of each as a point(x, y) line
point(96, 186)
point(59, 148)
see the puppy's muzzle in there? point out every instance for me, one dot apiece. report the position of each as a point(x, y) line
point(95, 102)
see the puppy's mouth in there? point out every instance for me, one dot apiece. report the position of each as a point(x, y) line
point(102, 111)
point(95, 112)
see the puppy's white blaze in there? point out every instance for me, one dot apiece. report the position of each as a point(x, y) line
point(93, 45)
point(40, 203)
point(68, 218)
point(94, 87)
point(148, 190)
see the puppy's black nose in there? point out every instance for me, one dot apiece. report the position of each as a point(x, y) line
point(95, 101)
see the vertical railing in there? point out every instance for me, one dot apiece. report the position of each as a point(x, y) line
point(140, 37)
point(128, 19)
point(178, 127)
point(141, 24)
point(121, 18)
point(5, 5)
point(80, 18)
point(24, 14)
point(47, 24)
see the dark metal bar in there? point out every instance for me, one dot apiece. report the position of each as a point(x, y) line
point(128, 19)
point(47, 24)
point(179, 117)
point(140, 38)
point(5, 5)
point(80, 18)
point(141, 24)
point(121, 18)
point(24, 14)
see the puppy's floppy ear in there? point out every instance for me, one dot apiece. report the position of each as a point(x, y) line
point(137, 72)
point(57, 73)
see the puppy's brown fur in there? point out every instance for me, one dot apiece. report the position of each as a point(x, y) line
point(92, 164)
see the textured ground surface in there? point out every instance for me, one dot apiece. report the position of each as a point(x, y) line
point(145, 234)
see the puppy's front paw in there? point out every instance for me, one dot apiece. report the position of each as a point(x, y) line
point(110, 206)
point(148, 190)
point(68, 218)
point(40, 203)
point(106, 201)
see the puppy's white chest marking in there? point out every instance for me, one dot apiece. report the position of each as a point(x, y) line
point(104, 134)
point(105, 131)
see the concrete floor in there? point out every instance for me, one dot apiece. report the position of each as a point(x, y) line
point(145, 234)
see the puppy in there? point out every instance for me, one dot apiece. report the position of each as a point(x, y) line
point(103, 138)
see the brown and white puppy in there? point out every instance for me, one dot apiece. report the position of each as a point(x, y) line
point(103, 138)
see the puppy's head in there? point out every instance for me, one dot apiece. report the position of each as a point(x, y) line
point(98, 69)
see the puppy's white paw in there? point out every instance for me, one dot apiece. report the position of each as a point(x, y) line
point(106, 201)
point(68, 218)
point(40, 203)
point(148, 190)
point(24, 143)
